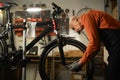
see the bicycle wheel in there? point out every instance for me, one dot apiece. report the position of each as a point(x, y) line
point(50, 67)
point(3, 48)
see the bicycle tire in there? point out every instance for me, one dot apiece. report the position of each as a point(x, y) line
point(46, 73)
point(3, 48)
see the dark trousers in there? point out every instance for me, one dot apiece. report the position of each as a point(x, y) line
point(111, 40)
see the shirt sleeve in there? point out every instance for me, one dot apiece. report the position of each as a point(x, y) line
point(90, 26)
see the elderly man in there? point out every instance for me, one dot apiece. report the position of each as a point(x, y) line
point(100, 27)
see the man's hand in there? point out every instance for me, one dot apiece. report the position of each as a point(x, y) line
point(75, 66)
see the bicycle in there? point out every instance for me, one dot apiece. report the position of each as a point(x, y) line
point(55, 51)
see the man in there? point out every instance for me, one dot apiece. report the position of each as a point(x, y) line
point(100, 27)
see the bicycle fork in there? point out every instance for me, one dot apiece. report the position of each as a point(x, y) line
point(60, 46)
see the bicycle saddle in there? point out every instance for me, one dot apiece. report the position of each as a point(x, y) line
point(4, 5)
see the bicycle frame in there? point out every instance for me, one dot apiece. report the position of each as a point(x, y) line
point(52, 25)
point(46, 31)
point(39, 37)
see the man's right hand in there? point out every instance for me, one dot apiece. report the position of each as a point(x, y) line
point(75, 66)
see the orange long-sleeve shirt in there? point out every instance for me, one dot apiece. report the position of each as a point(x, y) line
point(92, 21)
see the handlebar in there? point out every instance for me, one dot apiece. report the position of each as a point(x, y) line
point(56, 6)
point(57, 10)
point(4, 5)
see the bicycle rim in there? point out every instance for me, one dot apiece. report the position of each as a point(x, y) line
point(51, 68)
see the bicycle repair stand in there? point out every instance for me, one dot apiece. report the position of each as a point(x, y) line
point(24, 52)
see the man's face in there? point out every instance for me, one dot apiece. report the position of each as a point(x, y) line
point(77, 25)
